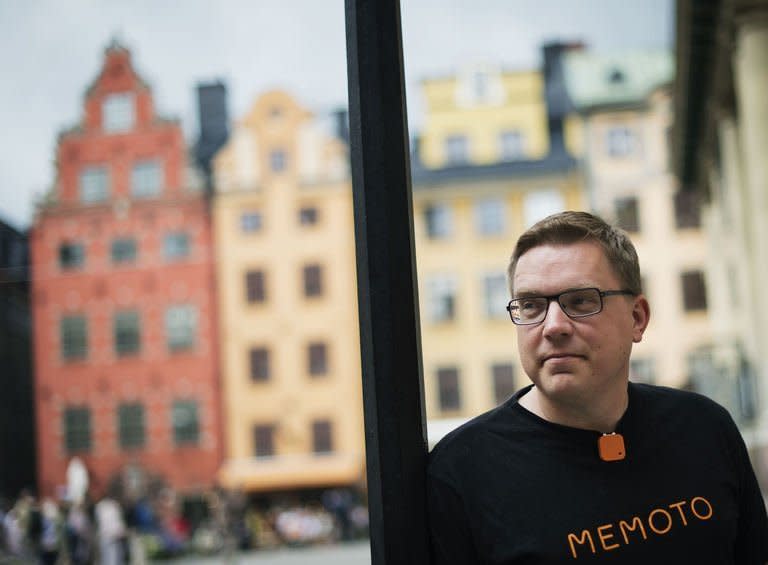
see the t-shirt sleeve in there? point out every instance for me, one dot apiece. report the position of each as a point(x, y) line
point(752, 536)
point(450, 536)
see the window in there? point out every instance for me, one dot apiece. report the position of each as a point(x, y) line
point(694, 291)
point(184, 419)
point(620, 141)
point(439, 221)
point(732, 276)
point(489, 216)
point(313, 280)
point(616, 76)
point(118, 112)
point(456, 150)
point(442, 298)
point(308, 216)
point(254, 287)
point(74, 338)
point(539, 204)
point(627, 216)
point(250, 221)
point(123, 250)
point(317, 359)
point(687, 209)
point(77, 429)
point(175, 245)
point(481, 86)
point(94, 184)
point(277, 160)
point(449, 395)
point(130, 425)
point(146, 179)
point(503, 381)
point(496, 295)
point(127, 334)
point(264, 440)
point(511, 145)
point(322, 436)
point(259, 362)
point(180, 327)
point(641, 370)
point(71, 256)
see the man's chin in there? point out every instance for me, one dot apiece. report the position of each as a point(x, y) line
point(560, 383)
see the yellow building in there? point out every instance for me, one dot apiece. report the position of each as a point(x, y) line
point(491, 161)
point(290, 362)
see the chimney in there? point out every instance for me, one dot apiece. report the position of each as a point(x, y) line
point(558, 102)
point(214, 126)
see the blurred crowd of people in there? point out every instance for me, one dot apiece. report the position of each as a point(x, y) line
point(110, 531)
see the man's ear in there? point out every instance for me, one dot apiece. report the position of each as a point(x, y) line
point(641, 315)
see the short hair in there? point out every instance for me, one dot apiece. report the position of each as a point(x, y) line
point(570, 227)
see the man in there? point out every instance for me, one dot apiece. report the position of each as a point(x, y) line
point(582, 465)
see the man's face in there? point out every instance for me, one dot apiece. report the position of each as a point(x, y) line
point(572, 360)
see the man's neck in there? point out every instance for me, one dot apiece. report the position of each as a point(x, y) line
point(599, 416)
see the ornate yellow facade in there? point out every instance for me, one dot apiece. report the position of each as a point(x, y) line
point(290, 363)
point(497, 103)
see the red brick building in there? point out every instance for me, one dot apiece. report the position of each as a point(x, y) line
point(123, 298)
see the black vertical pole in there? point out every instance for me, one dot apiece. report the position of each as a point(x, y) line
point(395, 429)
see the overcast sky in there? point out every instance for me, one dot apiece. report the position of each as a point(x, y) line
point(50, 50)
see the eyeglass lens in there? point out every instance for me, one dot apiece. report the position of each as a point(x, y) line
point(575, 303)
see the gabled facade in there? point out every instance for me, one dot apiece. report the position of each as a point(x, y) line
point(494, 158)
point(290, 360)
point(123, 298)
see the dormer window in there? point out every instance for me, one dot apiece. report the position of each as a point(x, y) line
point(616, 76)
point(278, 160)
point(480, 85)
point(118, 112)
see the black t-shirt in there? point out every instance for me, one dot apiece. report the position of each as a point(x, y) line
point(509, 487)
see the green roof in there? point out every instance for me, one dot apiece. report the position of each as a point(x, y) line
point(615, 79)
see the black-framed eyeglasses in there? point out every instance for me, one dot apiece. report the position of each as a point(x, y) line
point(576, 303)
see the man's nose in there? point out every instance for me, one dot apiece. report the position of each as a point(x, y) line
point(556, 321)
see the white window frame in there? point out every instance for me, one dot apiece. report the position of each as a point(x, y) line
point(146, 178)
point(438, 220)
point(538, 204)
point(512, 145)
point(489, 216)
point(118, 112)
point(442, 293)
point(176, 245)
point(251, 221)
point(620, 141)
point(456, 149)
point(495, 295)
point(94, 184)
point(181, 327)
point(278, 160)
